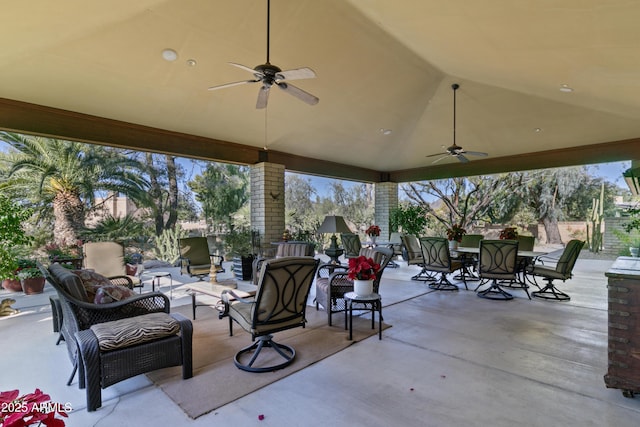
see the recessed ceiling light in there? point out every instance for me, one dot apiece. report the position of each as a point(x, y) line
point(191, 62)
point(385, 131)
point(536, 130)
point(565, 88)
point(169, 55)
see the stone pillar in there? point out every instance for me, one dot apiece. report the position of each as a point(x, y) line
point(267, 202)
point(386, 201)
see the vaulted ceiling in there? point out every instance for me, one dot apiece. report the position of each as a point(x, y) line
point(68, 65)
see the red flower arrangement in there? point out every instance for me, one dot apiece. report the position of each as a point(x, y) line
point(456, 232)
point(373, 230)
point(32, 408)
point(509, 233)
point(362, 268)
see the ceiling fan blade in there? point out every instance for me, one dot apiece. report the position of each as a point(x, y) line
point(476, 153)
point(439, 158)
point(437, 154)
point(462, 158)
point(299, 93)
point(297, 74)
point(263, 97)
point(244, 67)
point(232, 84)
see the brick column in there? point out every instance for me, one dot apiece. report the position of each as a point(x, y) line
point(267, 202)
point(386, 200)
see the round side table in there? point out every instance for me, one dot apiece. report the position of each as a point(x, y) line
point(155, 279)
point(376, 305)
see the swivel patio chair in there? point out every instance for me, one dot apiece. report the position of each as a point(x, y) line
point(562, 271)
point(351, 244)
point(113, 341)
point(279, 304)
point(437, 259)
point(525, 243)
point(195, 258)
point(414, 257)
point(332, 281)
point(497, 261)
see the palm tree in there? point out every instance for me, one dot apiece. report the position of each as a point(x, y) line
point(66, 175)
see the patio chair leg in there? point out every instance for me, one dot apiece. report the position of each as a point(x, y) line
point(73, 373)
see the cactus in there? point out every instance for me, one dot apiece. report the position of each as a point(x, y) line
point(597, 213)
point(166, 245)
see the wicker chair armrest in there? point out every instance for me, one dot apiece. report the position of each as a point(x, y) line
point(325, 270)
point(121, 281)
point(338, 275)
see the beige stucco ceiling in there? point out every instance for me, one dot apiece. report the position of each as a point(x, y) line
point(380, 64)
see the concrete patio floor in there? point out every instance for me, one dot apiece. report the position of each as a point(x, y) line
point(449, 359)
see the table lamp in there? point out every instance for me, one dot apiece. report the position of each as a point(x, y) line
point(333, 224)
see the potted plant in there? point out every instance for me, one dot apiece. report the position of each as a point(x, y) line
point(12, 235)
point(455, 233)
point(362, 271)
point(71, 254)
point(508, 233)
point(373, 232)
point(32, 280)
point(632, 229)
point(410, 219)
point(239, 244)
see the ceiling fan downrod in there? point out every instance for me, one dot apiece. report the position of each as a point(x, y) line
point(455, 87)
point(268, 27)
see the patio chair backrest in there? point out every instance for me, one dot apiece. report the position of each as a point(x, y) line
point(196, 249)
point(414, 251)
point(351, 244)
point(105, 258)
point(498, 259)
point(568, 258)
point(281, 298)
point(471, 240)
point(526, 243)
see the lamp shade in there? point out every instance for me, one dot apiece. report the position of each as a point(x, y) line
point(333, 224)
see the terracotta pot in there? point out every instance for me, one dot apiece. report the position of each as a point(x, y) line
point(33, 285)
point(12, 285)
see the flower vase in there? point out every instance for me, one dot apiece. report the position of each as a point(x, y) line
point(453, 245)
point(363, 287)
point(373, 239)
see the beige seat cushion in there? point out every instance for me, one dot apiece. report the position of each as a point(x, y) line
point(134, 330)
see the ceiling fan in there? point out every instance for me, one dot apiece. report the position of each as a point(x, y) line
point(455, 150)
point(269, 74)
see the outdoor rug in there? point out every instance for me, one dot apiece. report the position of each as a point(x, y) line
point(216, 380)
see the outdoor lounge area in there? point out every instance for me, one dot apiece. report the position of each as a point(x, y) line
point(447, 359)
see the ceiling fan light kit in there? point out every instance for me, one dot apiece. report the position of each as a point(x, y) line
point(269, 74)
point(455, 150)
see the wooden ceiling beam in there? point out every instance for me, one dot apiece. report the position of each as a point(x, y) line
point(18, 116)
